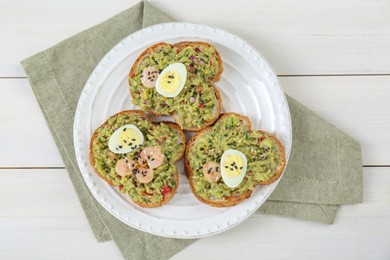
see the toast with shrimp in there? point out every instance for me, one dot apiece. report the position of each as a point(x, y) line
point(138, 156)
point(178, 79)
point(226, 161)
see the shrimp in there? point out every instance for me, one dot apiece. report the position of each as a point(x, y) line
point(144, 175)
point(122, 167)
point(212, 171)
point(149, 77)
point(152, 156)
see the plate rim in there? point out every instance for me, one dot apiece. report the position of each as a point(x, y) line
point(87, 85)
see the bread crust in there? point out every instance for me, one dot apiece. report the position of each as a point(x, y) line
point(236, 198)
point(143, 116)
point(180, 46)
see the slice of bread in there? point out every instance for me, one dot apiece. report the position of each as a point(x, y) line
point(171, 143)
point(212, 152)
point(146, 98)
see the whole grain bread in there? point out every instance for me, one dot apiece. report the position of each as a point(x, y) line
point(236, 197)
point(180, 46)
point(144, 116)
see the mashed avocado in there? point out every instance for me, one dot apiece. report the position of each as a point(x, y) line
point(196, 102)
point(231, 133)
point(154, 135)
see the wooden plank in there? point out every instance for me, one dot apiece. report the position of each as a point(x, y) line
point(307, 37)
point(52, 238)
point(50, 216)
point(38, 193)
point(24, 135)
point(357, 105)
point(359, 232)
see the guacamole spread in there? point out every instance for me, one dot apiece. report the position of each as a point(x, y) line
point(155, 135)
point(231, 133)
point(196, 103)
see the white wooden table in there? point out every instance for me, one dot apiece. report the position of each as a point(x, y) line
point(333, 56)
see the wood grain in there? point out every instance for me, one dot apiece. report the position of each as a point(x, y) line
point(298, 38)
point(40, 215)
point(50, 216)
point(357, 105)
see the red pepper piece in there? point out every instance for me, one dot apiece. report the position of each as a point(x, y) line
point(120, 187)
point(201, 105)
point(200, 89)
point(228, 197)
point(166, 190)
point(261, 139)
point(197, 49)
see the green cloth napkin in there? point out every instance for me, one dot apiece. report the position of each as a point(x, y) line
point(324, 170)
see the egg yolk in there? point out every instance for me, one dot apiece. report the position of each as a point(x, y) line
point(233, 165)
point(170, 82)
point(129, 137)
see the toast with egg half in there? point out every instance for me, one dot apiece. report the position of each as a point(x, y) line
point(138, 156)
point(226, 161)
point(178, 79)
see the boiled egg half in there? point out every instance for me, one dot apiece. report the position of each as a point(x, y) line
point(125, 139)
point(233, 167)
point(171, 80)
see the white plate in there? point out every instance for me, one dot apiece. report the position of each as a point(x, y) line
point(248, 86)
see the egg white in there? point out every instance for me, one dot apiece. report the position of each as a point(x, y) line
point(113, 143)
point(233, 182)
point(175, 67)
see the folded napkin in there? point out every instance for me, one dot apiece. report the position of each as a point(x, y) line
point(324, 170)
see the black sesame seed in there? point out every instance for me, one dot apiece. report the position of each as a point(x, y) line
point(120, 147)
point(133, 139)
point(169, 82)
point(226, 167)
point(231, 169)
point(217, 169)
point(124, 129)
point(125, 141)
point(235, 167)
point(152, 159)
point(149, 157)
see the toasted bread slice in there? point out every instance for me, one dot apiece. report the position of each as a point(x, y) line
point(136, 88)
point(238, 194)
point(103, 160)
